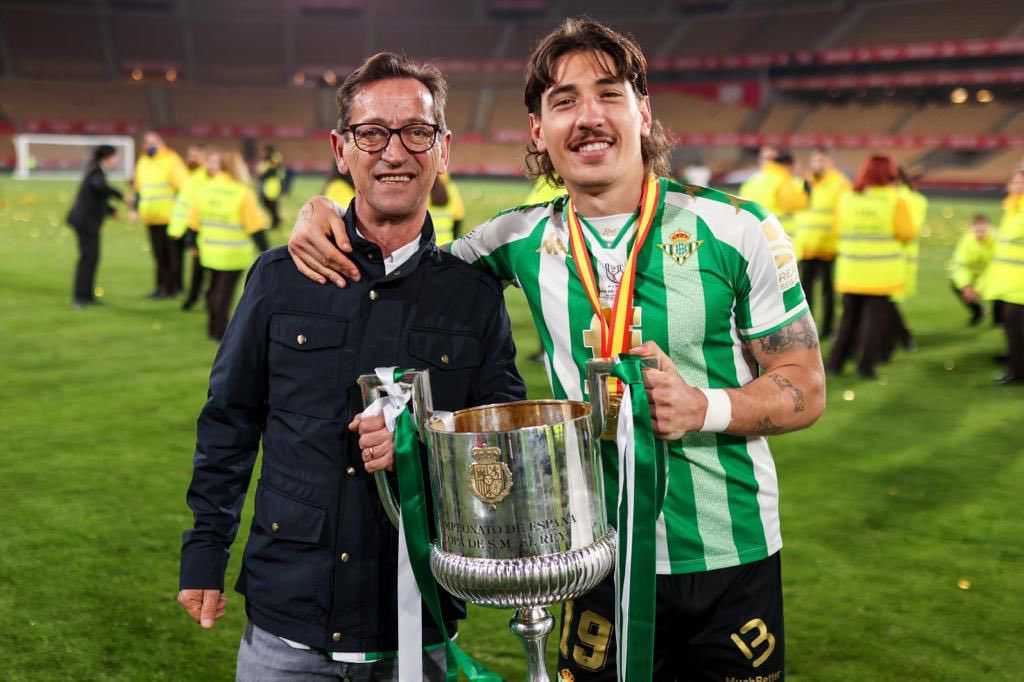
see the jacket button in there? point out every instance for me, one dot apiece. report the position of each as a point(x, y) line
point(373, 295)
point(300, 339)
point(444, 359)
point(343, 556)
point(351, 471)
point(274, 527)
point(336, 636)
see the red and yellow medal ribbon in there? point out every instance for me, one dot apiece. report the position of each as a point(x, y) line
point(615, 332)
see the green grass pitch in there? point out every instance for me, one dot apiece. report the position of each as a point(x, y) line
point(901, 507)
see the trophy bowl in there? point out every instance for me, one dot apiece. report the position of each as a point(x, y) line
point(519, 504)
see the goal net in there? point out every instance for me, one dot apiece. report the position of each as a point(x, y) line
point(43, 156)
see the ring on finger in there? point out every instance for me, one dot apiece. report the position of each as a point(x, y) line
point(369, 451)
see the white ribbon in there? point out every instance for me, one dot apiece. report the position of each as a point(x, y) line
point(627, 482)
point(410, 610)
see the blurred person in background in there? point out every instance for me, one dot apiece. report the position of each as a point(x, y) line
point(542, 191)
point(1004, 281)
point(816, 236)
point(320, 567)
point(159, 176)
point(446, 209)
point(971, 258)
point(901, 336)
point(273, 178)
point(91, 207)
point(776, 187)
point(338, 187)
point(225, 221)
point(195, 159)
point(873, 223)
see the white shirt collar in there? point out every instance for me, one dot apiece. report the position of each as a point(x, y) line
point(399, 255)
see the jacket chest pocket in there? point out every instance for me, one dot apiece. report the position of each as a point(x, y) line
point(451, 355)
point(305, 363)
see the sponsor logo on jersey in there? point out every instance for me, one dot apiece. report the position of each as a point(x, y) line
point(553, 246)
point(681, 246)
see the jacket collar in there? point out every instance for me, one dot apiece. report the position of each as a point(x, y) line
point(370, 259)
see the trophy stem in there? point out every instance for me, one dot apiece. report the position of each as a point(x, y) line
point(532, 626)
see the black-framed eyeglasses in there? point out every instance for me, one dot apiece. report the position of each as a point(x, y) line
point(415, 137)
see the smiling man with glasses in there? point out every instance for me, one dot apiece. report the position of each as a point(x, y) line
point(319, 569)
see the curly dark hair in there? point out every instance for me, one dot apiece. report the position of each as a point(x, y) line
point(582, 34)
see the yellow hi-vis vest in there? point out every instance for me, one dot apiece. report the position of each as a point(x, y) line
point(183, 204)
point(918, 205)
point(226, 214)
point(340, 192)
point(1004, 280)
point(815, 225)
point(157, 180)
point(870, 259)
point(971, 259)
point(543, 192)
point(778, 192)
point(443, 217)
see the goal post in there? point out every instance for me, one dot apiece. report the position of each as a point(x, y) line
point(59, 157)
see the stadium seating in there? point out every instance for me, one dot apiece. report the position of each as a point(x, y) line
point(687, 113)
point(853, 118)
point(71, 48)
point(192, 105)
point(963, 118)
point(67, 100)
point(783, 118)
point(133, 37)
point(253, 56)
point(784, 32)
point(940, 20)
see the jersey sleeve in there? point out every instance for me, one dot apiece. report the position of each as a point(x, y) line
point(769, 295)
point(490, 246)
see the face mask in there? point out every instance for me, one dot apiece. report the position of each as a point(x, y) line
point(151, 150)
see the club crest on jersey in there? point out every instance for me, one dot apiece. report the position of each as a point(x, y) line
point(681, 246)
point(613, 273)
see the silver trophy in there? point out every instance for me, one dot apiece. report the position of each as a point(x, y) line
point(519, 502)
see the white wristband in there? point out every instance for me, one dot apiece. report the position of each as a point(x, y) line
point(719, 412)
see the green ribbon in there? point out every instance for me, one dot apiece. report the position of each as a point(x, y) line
point(637, 541)
point(412, 497)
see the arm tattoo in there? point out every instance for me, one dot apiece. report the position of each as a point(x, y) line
point(799, 334)
point(765, 427)
point(784, 385)
point(306, 214)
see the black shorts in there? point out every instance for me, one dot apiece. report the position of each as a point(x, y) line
point(717, 626)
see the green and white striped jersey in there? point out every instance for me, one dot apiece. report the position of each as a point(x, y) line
point(715, 271)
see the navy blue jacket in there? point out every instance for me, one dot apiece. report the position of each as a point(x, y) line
point(320, 563)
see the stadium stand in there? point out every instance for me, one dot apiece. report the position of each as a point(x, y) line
point(23, 100)
point(71, 48)
point(854, 118)
point(910, 22)
point(246, 72)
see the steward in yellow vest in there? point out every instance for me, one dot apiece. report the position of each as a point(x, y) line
point(816, 236)
point(273, 177)
point(543, 192)
point(195, 158)
point(1005, 279)
point(967, 269)
point(873, 222)
point(228, 221)
point(912, 250)
point(338, 188)
point(446, 209)
point(159, 175)
point(778, 191)
point(872, 226)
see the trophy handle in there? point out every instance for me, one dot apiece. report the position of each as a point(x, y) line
point(598, 371)
point(422, 409)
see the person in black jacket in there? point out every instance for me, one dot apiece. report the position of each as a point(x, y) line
point(319, 568)
point(91, 207)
